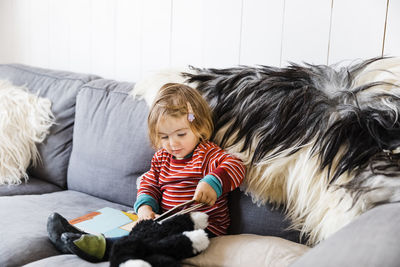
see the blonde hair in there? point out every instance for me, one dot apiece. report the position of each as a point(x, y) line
point(176, 100)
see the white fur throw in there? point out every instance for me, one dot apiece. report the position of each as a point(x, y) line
point(25, 119)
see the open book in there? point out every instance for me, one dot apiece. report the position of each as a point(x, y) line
point(108, 221)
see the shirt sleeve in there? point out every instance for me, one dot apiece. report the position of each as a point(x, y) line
point(214, 183)
point(149, 192)
point(228, 169)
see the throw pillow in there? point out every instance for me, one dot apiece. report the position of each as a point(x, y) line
point(25, 119)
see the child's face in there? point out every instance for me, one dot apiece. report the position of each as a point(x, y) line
point(176, 136)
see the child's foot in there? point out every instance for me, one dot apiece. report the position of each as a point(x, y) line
point(88, 247)
point(56, 225)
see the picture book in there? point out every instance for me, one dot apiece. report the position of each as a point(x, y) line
point(108, 221)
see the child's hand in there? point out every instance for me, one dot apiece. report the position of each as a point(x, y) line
point(145, 212)
point(205, 194)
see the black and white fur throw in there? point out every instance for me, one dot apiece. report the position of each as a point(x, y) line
point(324, 141)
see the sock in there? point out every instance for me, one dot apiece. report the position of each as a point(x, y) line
point(93, 245)
point(89, 247)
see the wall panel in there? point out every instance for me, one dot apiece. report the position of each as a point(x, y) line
point(39, 30)
point(128, 46)
point(262, 32)
point(357, 29)
point(58, 35)
point(7, 26)
point(80, 45)
point(103, 37)
point(221, 35)
point(306, 31)
point(21, 18)
point(156, 34)
point(392, 42)
point(126, 39)
point(188, 31)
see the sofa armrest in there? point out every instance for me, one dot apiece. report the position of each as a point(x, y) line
point(373, 239)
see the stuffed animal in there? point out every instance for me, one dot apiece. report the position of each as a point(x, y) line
point(151, 243)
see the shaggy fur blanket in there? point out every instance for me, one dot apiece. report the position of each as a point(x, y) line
point(324, 141)
point(25, 119)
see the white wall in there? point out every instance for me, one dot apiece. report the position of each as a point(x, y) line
point(125, 39)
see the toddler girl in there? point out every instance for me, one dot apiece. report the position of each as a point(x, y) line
point(186, 166)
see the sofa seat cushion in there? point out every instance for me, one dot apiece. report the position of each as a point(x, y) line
point(61, 88)
point(32, 186)
point(23, 232)
point(230, 251)
point(66, 260)
point(110, 144)
point(248, 250)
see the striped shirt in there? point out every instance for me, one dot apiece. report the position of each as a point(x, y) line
point(172, 181)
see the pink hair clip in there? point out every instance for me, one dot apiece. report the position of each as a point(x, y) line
point(190, 117)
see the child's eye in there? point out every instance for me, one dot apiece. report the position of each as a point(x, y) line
point(164, 137)
point(181, 134)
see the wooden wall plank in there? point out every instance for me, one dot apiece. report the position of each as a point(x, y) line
point(156, 34)
point(357, 29)
point(21, 50)
point(7, 27)
point(392, 42)
point(103, 38)
point(80, 46)
point(187, 46)
point(128, 46)
point(221, 36)
point(59, 35)
point(306, 31)
point(125, 39)
point(262, 32)
point(39, 33)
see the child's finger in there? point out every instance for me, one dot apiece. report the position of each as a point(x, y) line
point(198, 195)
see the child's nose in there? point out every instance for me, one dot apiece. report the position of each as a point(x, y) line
point(173, 142)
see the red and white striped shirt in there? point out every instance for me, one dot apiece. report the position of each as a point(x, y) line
point(173, 181)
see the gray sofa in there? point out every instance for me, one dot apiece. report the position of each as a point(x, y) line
point(92, 158)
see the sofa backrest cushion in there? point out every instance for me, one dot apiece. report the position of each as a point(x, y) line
point(249, 218)
point(110, 145)
point(61, 87)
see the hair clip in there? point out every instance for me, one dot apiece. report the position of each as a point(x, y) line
point(190, 117)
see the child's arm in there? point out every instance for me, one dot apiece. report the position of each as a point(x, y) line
point(149, 194)
point(225, 172)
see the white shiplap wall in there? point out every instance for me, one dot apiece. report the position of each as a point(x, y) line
point(125, 39)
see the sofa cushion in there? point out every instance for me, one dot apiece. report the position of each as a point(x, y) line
point(23, 222)
point(61, 88)
point(229, 251)
point(32, 186)
point(66, 260)
point(371, 240)
point(110, 143)
point(248, 250)
point(248, 218)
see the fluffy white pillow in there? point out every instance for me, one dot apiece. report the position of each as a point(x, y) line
point(25, 119)
point(247, 250)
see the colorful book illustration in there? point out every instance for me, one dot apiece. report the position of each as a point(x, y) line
point(108, 221)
